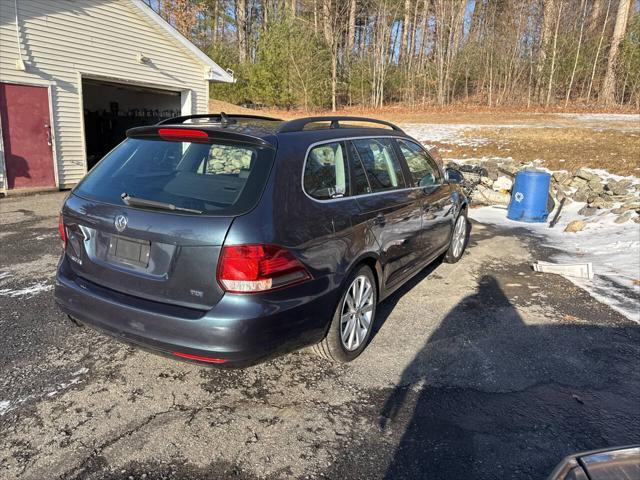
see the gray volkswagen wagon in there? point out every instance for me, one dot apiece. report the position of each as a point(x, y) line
point(227, 240)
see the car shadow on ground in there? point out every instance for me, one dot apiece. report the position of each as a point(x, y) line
point(490, 396)
point(385, 308)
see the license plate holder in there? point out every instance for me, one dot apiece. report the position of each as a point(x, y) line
point(130, 251)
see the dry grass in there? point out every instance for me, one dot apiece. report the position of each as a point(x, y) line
point(469, 114)
point(216, 106)
point(559, 148)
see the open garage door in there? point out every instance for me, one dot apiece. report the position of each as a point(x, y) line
point(110, 109)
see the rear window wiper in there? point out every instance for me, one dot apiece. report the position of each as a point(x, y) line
point(143, 202)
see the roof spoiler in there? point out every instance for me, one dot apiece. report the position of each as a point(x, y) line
point(193, 133)
point(223, 118)
point(299, 123)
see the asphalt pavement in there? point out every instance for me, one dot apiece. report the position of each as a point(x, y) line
point(478, 370)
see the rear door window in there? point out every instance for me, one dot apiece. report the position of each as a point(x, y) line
point(215, 178)
point(424, 172)
point(325, 172)
point(380, 163)
point(358, 175)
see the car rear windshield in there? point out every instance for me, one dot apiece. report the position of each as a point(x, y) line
point(214, 178)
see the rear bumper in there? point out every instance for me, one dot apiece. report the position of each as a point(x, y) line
point(240, 330)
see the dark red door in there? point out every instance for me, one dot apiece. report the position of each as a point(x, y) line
point(26, 133)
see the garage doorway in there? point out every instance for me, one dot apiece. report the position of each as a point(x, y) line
point(110, 109)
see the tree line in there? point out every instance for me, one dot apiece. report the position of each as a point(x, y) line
point(315, 54)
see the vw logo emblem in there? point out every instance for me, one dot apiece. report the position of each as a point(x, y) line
point(121, 222)
point(519, 197)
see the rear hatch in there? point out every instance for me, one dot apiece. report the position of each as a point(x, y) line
point(149, 220)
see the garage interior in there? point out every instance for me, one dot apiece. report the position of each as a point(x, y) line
point(110, 109)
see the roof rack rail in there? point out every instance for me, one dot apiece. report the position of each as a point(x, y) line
point(299, 123)
point(221, 117)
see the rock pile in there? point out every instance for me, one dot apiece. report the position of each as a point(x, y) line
point(228, 159)
point(493, 180)
point(620, 197)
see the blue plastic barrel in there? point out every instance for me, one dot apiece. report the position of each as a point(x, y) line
point(529, 197)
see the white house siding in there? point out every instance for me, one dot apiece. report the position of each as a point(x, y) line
point(63, 40)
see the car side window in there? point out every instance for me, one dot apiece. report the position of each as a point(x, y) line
point(325, 172)
point(380, 163)
point(424, 172)
point(359, 177)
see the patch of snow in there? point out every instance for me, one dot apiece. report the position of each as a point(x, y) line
point(28, 292)
point(43, 266)
point(450, 133)
point(73, 381)
point(50, 392)
point(603, 117)
point(478, 160)
point(46, 236)
point(456, 133)
point(614, 250)
point(4, 275)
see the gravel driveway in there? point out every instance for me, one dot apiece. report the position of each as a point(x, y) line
point(480, 369)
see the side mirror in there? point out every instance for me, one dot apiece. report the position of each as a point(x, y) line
point(452, 175)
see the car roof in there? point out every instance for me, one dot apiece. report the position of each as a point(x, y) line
point(267, 130)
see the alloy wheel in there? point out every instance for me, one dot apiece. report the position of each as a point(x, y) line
point(459, 236)
point(356, 313)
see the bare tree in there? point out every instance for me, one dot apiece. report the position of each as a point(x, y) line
point(327, 21)
point(315, 17)
point(545, 36)
point(351, 28)
point(241, 29)
point(406, 27)
point(552, 71)
point(607, 95)
point(333, 15)
point(595, 60)
point(575, 63)
point(424, 51)
point(182, 14)
point(594, 16)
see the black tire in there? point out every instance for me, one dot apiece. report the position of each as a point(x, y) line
point(454, 254)
point(332, 346)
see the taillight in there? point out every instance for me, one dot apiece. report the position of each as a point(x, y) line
point(258, 268)
point(62, 231)
point(183, 134)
